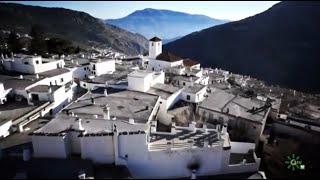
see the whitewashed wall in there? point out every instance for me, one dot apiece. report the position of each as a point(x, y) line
point(4, 128)
point(155, 48)
point(99, 149)
point(49, 146)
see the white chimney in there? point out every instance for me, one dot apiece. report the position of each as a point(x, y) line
point(193, 176)
point(72, 113)
point(204, 128)
point(105, 92)
point(192, 126)
point(205, 143)
point(95, 116)
point(80, 124)
point(37, 76)
point(49, 89)
point(131, 120)
point(224, 128)
point(106, 114)
point(21, 77)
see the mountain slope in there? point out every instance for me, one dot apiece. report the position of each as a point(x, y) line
point(163, 23)
point(280, 46)
point(76, 26)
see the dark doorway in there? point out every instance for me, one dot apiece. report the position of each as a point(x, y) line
point(35, 97)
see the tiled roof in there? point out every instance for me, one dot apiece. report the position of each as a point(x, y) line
point(166, 56)
point(155, 39)
point(189, 62)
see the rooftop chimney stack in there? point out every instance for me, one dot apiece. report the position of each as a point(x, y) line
point(106, 114)
point(105, 92)
point(80, 124)
point(131, 121)
point(224, 128)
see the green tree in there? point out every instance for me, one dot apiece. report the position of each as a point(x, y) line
point(14, 43)
point(77, 50)
point(38, 44)
point(231, 80)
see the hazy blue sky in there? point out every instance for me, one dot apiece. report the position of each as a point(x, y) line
point(232, 10)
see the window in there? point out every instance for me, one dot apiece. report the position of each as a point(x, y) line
point(50, 83)
point(37, 62)
point(188, 97)
point(85, 68)
point(183, 83)
point(152, 44)
point(85, 76)
point(51, 112)
point(152, 69)
point(94, 67)
point(61, 80)
point(26, 63)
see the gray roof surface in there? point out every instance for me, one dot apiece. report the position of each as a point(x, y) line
point(63, 122)
point(163, 90)
point(43, 88)
point(195, 88)
point(54, 72)
point(183, 136)
point(112, 78)
point(12, 110)
point(185, 78)
point(123, 104)
point(217, 100)
point(238, 106)
point(16, 83)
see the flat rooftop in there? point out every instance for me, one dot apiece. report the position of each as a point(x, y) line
point(185, 78)
point(73, 63)
point(221, 101)
point(43, 88)
point(15, 83)
point(17, 139)
point(62, 123)
point(163, 90)
point(217, 100)
point(113, 78)
point(123, 104)
point(181, 137)
point(195, 88)
point(54, 72)
point(140, 73)
point(98, 60)
point(12, 110)
point(222, 85)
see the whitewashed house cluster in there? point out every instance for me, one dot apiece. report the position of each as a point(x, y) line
point(120, 119)
point(99, 130)
point(43, 88)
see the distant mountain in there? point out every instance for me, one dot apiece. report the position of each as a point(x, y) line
point(164, 23)
point(76, 26)
point(280, 46)
point(166, 41)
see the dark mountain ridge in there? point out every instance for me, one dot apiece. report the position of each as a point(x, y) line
point(76, 26)
point(280, 46)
